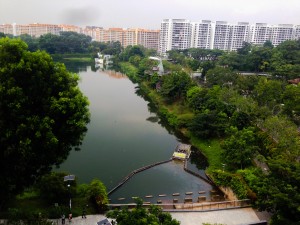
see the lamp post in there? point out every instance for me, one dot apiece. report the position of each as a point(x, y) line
point(70, 202)
point(223, 165)
point(68, 179)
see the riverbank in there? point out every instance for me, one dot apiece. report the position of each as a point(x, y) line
point(76, 57)
point(177, 115)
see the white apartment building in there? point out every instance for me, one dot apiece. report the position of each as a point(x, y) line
point(238, 35)
point(260, 33)
point(280, 33)
point(175, 34)
point(296, 34)
point(201, 34)
point(221, 35)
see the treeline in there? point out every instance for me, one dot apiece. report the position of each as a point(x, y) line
point(68, 43)
point(282, 61)
point(255, 118)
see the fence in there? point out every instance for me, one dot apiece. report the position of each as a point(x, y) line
point(207, 206)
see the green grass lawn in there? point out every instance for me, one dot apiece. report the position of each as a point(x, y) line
point(212, 150)
point(84, 59)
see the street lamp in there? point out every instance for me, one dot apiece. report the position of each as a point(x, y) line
point(69, 178)
point(223, 165)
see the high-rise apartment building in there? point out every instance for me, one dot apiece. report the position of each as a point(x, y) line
point(130, 37)
point(175, 34)
point(201, 34)
point(148, 38)
point(221, 34)
point(280, 33)
point(260, 33)
point(70, 28)
point(238, 35)
point(37, 30)
point(296, 34)
point(7, 29)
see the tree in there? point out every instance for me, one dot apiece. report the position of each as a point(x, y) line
point(240, 147)
point(43, 115)
point(291, 102)
point(97, 194)
point(209, 124)
point(53, 188)
point(175, 85)
point(245, 49)
point(221, 76)
point(268, 92)
point(30, 41)
point(66, 42)
point(139, 215)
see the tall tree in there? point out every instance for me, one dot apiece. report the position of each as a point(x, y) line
point(240, 147)
point(43, 115)
point(175, 85)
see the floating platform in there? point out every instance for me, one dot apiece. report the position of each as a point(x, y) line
point(182, 152)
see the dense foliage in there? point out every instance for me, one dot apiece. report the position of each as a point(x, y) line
point(43, 115)
point(256, 118)
point(142, 216)
point(97, 195)
point(68, 42)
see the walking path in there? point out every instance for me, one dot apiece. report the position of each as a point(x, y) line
point(226, 217)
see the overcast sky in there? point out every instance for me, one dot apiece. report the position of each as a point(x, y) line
point(146, 13)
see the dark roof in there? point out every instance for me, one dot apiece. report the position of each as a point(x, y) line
point(104, 222)
point(294, 81)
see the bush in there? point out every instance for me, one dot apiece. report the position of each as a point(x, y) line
point(53, 188)
point(97, 195)
point(235, 182)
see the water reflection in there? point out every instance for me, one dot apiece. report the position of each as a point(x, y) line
point(153, 119)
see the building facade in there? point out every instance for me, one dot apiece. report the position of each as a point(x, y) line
point(146, 38)
point(201, 34)
point(175, 34)
point(239, 34)
point(221, 34)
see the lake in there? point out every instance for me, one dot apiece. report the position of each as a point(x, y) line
point(125, 134)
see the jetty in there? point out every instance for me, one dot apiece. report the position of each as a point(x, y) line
point(182, 152)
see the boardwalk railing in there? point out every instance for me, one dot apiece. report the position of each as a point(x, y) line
point(198, 175)
point(135, 172)
point(207, 206)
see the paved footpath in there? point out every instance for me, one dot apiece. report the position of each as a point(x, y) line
point(228, 217)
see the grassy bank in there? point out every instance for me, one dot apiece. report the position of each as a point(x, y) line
point(73, 57)
point(30, 202)
point(178, 114)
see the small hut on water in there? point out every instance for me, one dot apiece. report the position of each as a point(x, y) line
point(182, 152)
